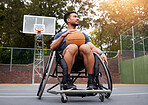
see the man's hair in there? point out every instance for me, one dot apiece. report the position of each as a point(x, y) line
point(67, 15)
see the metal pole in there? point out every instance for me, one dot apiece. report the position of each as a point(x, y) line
point(121, 43)
point(133, 41)
point(133, 53)
point(33, 72)
point(133, 70)
point(43, 51)
point(143, 47)
point(11, 59)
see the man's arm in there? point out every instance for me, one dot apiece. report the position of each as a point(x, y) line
point(56, 43)
point(97, 50)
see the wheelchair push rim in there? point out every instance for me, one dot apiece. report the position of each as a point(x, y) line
point(45, 75)
point(104, 79)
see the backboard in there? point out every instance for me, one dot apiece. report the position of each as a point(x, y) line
point(30, 23)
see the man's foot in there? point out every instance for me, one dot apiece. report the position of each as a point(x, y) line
point(69, 85)
point(91, 84)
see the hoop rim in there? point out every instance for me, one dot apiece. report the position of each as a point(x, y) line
point(41, 29)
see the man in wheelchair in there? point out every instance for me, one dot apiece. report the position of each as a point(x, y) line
point(74, 56)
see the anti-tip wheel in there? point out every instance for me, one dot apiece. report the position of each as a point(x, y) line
point(64, 99)
point(101, 97)
point(107, 95)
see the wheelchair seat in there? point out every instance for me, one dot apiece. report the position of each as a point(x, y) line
point(60, 60)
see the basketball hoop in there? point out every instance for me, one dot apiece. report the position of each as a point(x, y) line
point(38, 25)
point(30, 22)
point(39, 29)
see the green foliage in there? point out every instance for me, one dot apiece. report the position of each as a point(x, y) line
point(116, 16)
point(11, 34)
point(140, 37)
point(1, 13)
point(5, 56)
point(11, 23)
point(146, 45)
point(1, 20)
point(19, 56)
point(12, 29)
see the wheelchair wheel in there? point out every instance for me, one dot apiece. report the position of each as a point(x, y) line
point(101, 97)
point(45, 76)
point(64, 98)
point(104, 79)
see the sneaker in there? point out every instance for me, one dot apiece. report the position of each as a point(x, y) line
point(91, 84)
point(69, 85)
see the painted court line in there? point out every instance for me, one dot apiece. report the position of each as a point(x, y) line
point(14, 96)
point(129, 94)
point(20, 94)
point(26, 96)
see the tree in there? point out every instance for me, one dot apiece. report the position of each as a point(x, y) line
point(116, 16)
point(12, 28)
point(1, 20)
point(16, 9)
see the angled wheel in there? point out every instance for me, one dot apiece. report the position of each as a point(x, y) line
point(101, 97)
point(45, 76)
point(104, 79)
point(64, 98)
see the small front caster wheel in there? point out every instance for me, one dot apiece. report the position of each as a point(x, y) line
point(101, 97)
point(64, 99)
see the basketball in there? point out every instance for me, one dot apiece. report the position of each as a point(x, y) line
point(75, 38)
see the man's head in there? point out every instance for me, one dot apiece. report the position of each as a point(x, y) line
point(72, 18)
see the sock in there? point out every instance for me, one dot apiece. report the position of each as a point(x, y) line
point(68, 76)
point(90, 76)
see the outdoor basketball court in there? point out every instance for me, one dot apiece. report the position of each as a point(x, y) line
point(21, 94)
point(26, 95)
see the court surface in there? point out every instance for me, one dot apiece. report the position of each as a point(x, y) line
point(26, 95)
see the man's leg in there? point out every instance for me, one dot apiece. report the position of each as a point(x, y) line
point(89, 62)
point(69, 56)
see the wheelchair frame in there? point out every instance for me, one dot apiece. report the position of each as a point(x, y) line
point(103, 91)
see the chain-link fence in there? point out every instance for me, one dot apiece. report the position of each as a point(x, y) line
point(16, 55)
point(16, 65)
point(25, 56)
point(9, 55)
point(134, 42)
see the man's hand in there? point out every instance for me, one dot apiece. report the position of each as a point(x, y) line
point(104, 58)
point(56, 43)
point(97, 50)
point(68, 32)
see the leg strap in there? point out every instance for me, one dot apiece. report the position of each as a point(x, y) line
point(96, 66)
point(65, 69)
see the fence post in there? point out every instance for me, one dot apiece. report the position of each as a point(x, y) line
point(143, 46)
point(11, 59)
point(121, 43)
point(133, 53)
point(133, 41)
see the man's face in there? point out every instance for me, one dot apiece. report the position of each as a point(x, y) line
point(74, 19)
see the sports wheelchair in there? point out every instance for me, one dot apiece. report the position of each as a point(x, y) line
point(102, 78)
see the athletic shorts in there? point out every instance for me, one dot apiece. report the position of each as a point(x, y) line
point(78, 65)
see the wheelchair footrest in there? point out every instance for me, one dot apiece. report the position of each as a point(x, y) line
point(79, 92)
